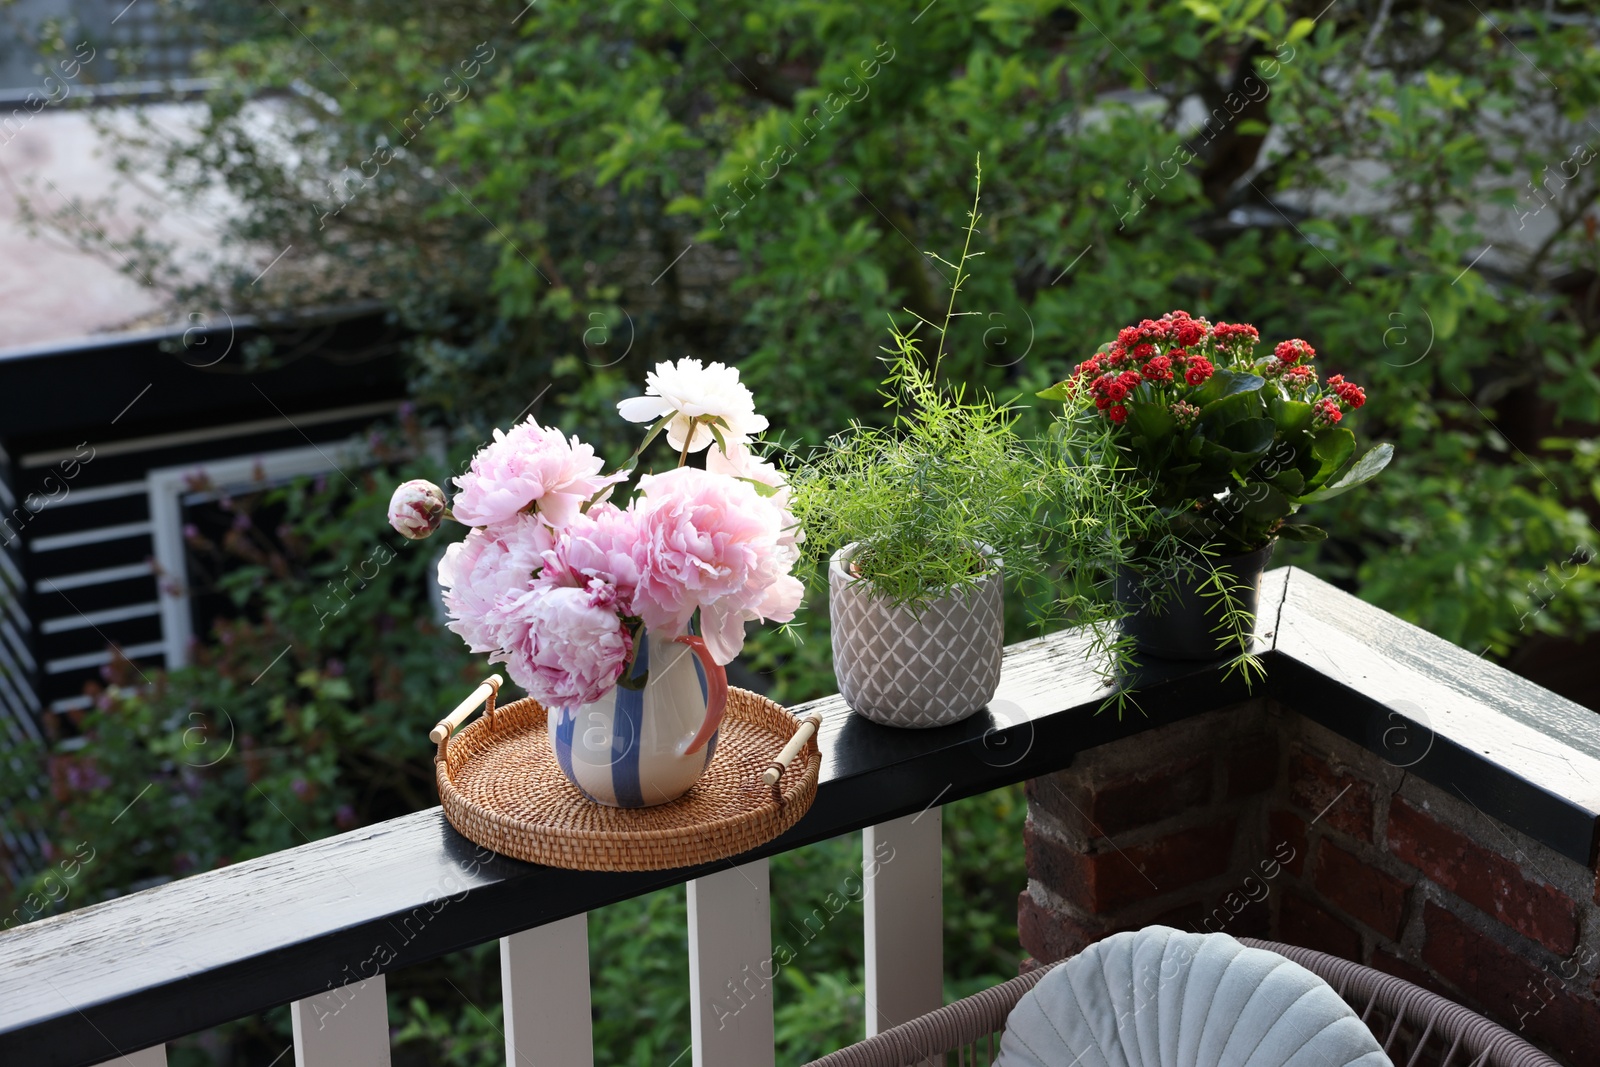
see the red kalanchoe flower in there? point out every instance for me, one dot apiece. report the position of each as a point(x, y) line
point(1144, 350)
point(1118, 414)
point(1349, 392)
point(1231, 332)
point(1158, 369)
point(1327, 412)
point(1128, 336)
point(1150, 328)
point(1291, 352)
point(1198, 370)
point(1190, 332)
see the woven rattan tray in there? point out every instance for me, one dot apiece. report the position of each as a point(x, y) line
point(502, 788)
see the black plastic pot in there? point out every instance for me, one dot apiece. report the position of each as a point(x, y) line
point(1185, 624)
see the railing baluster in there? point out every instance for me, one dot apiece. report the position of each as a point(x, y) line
point(347, 1027)
point(544, 982)
point(147, 1057)
point(731, 968)
point(904, 906)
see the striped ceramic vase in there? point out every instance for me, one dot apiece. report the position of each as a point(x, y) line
point(648, 740)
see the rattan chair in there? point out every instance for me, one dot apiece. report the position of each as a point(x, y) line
point(1416, 1028)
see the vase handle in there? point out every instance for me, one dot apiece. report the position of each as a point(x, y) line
point(716, 692)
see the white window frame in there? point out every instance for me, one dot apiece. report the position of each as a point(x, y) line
point(167, 486)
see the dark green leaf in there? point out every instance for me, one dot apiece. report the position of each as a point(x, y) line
point(1292, 416)
point(1366, 468)
point(1262, 503)
point(1226, 383)
point(1152, 422)
point(1291, 482)
point(1301, 532)
point(1248, 436)
point(1331, 449)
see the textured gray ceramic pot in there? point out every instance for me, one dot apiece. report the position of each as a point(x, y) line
point(917, 669)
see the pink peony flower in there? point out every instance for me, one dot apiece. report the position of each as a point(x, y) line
point(601, 544)
point(565, 645)
point(740, 462)
point(491, 563)
point(535, 465)
point(416, 509)
point(695, 392)
point(712, 542)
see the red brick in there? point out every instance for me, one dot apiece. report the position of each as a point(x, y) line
point(1284, 827)
point(1361, 890)
point(1252, 767)
point(1333, 798)
point(1483, 877)
point(1517, 992)
point(1303, 923)
point(1103, 809)
point(1063, 797)
point(1139, 801)
point(1110, 878)
point(1063, 868)
point(1048, 935)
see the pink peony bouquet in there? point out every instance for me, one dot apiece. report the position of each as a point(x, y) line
point(559, 583)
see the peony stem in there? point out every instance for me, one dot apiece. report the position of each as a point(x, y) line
point(683, 457)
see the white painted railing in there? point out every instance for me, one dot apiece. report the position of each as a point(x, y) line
point(544, 972)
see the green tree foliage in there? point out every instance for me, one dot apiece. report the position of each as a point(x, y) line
point(559, 197)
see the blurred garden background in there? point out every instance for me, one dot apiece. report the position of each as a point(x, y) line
point(548, 199)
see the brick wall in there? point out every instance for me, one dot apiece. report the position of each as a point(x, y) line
point(1257, 822)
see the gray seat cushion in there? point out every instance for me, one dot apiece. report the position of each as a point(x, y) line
point(1160, 997)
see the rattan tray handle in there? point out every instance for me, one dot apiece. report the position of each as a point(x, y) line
point(487, 690)
point(808, 726)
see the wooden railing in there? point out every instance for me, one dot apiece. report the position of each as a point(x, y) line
point(319, 926)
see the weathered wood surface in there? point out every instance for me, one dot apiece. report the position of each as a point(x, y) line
point(1519, 752)
point(184, 956)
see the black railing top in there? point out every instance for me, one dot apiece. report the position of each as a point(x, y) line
point(135, 971)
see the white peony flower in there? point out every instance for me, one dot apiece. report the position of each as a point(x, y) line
point(696, 394)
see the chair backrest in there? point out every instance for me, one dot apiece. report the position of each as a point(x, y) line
point(970, 1028)
point(1416, 1028)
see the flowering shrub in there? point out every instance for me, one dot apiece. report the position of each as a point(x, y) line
point(1227, 444)
point(558, 583)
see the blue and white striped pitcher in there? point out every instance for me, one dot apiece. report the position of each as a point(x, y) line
point(648, 740)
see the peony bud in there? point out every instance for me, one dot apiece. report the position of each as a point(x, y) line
point(417, 508)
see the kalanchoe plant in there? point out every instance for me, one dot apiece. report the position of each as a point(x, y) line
point(1228, 445)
